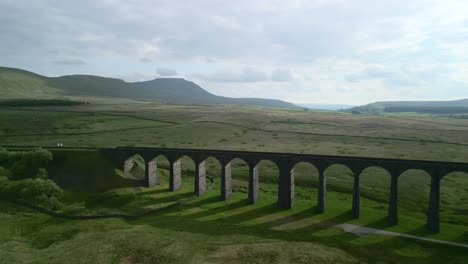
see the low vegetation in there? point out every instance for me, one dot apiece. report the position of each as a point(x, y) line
point(422, 107)
point(206, 229)
point(39, 102)
point(23, 178)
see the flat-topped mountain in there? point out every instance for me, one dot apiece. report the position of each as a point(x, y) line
point(21, 84)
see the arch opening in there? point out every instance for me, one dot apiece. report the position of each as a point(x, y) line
point(340, 178)
point(454, 199)
point(158, 173)
point(340, 182)
point(213, 168)
point(375, 186)
point(413, 193)
point(265, 181)
point(239, 176)
point(134, 168)
point(187, 171)
point(306, 180)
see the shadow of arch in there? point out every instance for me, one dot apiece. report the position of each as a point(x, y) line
point(134, 167)
point(340, 180)
point(454, 200)
point(413, 193)
point(306, 180)
point(375, 185)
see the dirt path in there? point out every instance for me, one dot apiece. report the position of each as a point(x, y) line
point(365, 231)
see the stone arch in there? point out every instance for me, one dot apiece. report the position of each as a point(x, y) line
point(375, 185)
point(158, 167)
point(135, 167)
point(241, 166)
point(335, 173)
point(187, 166)
point(237, 176)
point(454, 198)
point(213, 166)
point(306, 175)
point(340, 178)
point(213, 169)
point(267, 173)
point(414, 185)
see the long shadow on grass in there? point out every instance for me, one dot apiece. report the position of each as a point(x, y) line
point(291, 218)
point(203, 201)
point(226, 226)
point(153, 192)
point(227, 213)
point(248, 212)
point(327, 223)
point(381, 223)
point(166, 199)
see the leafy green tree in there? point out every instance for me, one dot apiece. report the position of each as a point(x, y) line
point(23, 177)
point(24, 165)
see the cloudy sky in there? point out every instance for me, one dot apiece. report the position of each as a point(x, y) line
point(311, 51)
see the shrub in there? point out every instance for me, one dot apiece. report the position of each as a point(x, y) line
point(23, 178)
point(41, 192)
point(4, 172)
point(25, 164)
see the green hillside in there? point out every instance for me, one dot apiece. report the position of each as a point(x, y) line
point(431, 107)
point(20, 84)
point(15, 84)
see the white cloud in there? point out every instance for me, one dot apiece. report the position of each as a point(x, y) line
point(281, 75)
point(164, 72)
point(69, 62)
point(340, 51)
point(245, 75)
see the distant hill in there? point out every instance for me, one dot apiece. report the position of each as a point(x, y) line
point(21, 84)
point(431, 107)
point(331, 107)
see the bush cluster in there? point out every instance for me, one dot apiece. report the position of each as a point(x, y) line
point(39, 102)
point(24, 178)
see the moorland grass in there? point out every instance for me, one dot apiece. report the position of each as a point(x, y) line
point(231, 230)
point(209, 230)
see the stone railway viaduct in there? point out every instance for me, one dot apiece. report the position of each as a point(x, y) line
point(286, 163)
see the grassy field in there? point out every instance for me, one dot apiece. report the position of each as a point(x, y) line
point(207, 230)
point(242, 128)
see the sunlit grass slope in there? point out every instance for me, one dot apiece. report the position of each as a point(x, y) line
point(206, 229)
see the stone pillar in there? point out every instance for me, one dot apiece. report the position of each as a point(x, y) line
point(322, 192)
point(175, 181)
point(356, 197)
point(253, 182)
point(286, 187)
point(434, 205)
point(226, 181)
point(153, 177)
point(200, 178)
point(129, 164)
point(393, 201)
